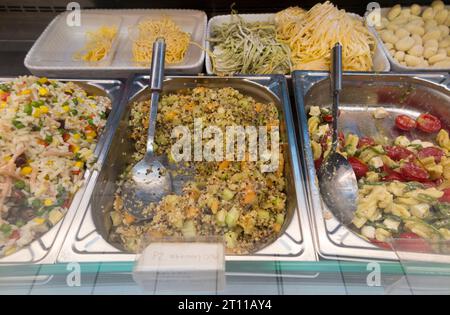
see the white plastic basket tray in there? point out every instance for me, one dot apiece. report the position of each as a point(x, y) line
point(395, 65)
point(380, 62)
point(53, 52)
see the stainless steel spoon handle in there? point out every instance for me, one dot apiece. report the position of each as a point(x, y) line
point(156, 83)
point(336, 87)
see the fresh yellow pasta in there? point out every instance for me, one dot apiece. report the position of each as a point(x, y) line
point(311, 35)
point(98, 44)
point(177, 41)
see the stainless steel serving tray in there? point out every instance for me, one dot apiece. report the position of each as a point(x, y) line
point(362, 93)
point(45, 249)
point(87, 238)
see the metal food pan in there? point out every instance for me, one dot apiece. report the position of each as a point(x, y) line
point(363, 93)
point(45, 249)
point(87, 239)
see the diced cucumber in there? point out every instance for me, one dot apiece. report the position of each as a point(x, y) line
point(220, 217)
point(227, 194)
point(232, 217)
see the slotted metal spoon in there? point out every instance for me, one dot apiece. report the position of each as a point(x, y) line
point(149, 179)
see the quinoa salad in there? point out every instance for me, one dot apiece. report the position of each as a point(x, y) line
point(48, 133)
point(233, 199)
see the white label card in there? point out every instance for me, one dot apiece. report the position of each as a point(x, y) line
point(181, 266)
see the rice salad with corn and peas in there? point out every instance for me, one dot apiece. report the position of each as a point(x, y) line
point(48, 132)
point(230, 198)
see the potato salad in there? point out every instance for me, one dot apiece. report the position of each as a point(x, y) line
point(404, 185)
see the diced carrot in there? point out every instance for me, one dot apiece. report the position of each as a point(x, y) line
point(280, 165)
point(191, 212)
point(189, 106)
point(129, 219)
point(214, 205)
point(223, 165)
point(195, 194)
point(249, 196)
point(276, 227)
point(258, 107)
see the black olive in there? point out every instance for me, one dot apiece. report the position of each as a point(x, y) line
point(17, 195)
point(62, 123)
point(13, 214)
point(21, 160)
point(27, 214)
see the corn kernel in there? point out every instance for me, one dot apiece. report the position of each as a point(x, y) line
point(66, 108)
point(75, 149)
point(48, 202)
point(43, 91)
point(39, 220)
point(91, 133)
point(50, 163)
point(76, 136)
point(43, 80)
point(26, 92)
point(169, 116)
point(43, 109)
point(26, 170)
point(37, 112)
point(79, 164)
point(3, 104)
point(7, 158)
point(10, 250)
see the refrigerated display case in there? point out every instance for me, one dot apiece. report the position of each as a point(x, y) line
point(308, 250)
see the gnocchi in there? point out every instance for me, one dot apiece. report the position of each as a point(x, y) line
point(416, 36)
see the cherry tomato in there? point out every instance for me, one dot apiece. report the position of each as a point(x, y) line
point(66, 137)
point(358, 166)
point(42, 142)
point(413, 243)
point(341, 139)
point(66, 204)
point(413, 172)
point(318, 163)
point(15, 235)
point(392, 175)
point(397, 153)
point(428, 123)
point(381, 244)
point(405, 123)
point(446, 196)
point(327, 118)
point(431, 151)
point(4, 96)
point(365, 142)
